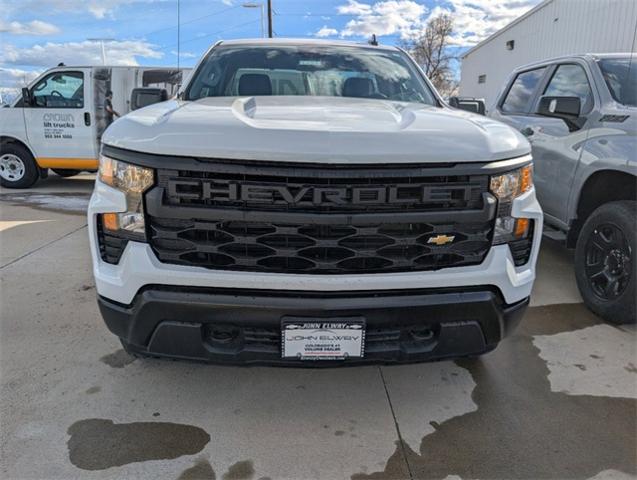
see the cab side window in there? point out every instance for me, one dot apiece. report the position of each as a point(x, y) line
point(521, 91)
point(59, 90)
point(569, 80)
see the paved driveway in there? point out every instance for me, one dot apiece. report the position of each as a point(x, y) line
point(555, 400)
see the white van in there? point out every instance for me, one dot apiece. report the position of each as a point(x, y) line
point(59, 119)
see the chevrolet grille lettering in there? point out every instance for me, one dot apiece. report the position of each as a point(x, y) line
point(313, 195)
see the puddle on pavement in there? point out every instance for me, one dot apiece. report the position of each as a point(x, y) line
point(202, 470)
point(521, 428)
point(117, 359)
point(243, 470)
point(76, 203)
point(98, 444)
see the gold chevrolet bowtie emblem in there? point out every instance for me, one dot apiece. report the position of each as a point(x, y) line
point(441, 239)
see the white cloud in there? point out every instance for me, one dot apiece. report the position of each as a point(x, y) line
point(98, 8)
point(474, 20)
point(184, 54)
point(16, 78)
point(12, 80)
point(227, 2)
point(326, 32)
point(79, 53)
point(354, 8)
point(35, 27)
point(387, 17)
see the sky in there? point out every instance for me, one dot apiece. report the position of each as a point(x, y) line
point(38, 34)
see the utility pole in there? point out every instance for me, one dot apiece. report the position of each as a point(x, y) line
point(261, 8)
point(102, 41)
point(178, 32)
point(269, 18)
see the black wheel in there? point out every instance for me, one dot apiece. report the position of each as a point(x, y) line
point(17, 167)
point(65, 172)
point(605, 266)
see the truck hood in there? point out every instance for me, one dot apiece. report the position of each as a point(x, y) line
point(315, 129)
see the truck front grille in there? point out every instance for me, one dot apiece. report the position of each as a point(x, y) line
point(331, 220)
point(273, 247)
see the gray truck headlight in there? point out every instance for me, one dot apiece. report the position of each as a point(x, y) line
point(133, 180)
point(506, 188)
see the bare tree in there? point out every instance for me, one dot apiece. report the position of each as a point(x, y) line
point(432, 52)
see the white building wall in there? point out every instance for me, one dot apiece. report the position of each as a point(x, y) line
point(552, 29)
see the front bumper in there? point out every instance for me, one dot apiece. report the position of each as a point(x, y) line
point(406, 326)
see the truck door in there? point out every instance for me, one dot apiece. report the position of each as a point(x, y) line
point(557, 145)
point(514, 110)
point(59, 121)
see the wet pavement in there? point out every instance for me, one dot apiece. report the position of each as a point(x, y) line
point(558, 399)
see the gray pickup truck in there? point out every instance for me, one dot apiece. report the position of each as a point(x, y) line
point(580, 115)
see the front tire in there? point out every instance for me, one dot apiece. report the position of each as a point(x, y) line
point(605, 263)
point(17, 167)
point(66, 173)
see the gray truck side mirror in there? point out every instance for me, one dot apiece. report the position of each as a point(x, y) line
point(470, 104)
point(142, 97)
point(567, 108)
point(564, 108)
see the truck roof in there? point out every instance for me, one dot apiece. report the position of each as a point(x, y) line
point(302, 41)
point(150, 67)
point(585, 56)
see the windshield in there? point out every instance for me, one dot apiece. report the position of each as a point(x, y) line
point(334, 71)
point(620, 75)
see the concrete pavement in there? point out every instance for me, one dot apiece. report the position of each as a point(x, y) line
point(555, 400)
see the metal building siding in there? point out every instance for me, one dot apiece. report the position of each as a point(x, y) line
point(554, 28)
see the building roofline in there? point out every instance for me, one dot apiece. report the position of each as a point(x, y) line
point(478, 45)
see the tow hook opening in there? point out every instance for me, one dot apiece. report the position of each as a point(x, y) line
point(222, 334)
point(422, 334)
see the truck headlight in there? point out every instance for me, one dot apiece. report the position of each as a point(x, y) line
point(506, 188)
point(133, 180)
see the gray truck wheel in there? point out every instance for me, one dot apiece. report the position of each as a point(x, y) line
point(17, 167)
point(605, 263)
point(66, 173)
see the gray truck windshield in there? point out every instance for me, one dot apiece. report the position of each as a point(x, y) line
point(309, 70)
point(620, 75)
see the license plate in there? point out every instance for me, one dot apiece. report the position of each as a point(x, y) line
point(323, 339)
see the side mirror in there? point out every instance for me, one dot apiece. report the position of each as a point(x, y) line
point(566, 108)
point(473, 105)
point(27, 100)
point(142, 97)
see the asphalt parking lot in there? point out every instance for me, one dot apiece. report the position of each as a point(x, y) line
point(558, 399)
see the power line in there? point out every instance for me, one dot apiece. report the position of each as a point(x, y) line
point(192, 20)
point(164, 47)
point(309, 14)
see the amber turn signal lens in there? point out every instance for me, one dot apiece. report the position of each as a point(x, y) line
point(110, 221)
point(526, 178)
point(521, 227)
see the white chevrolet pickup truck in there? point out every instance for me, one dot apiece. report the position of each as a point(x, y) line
point(312, 203)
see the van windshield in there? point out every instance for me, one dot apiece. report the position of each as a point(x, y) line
point(334, 71)
point(620, 75)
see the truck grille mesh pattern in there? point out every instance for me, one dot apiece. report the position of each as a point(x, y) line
point(189, 226)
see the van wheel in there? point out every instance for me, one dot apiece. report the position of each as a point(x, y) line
point(17, 167)
point(605, 263)
point(66, 173)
